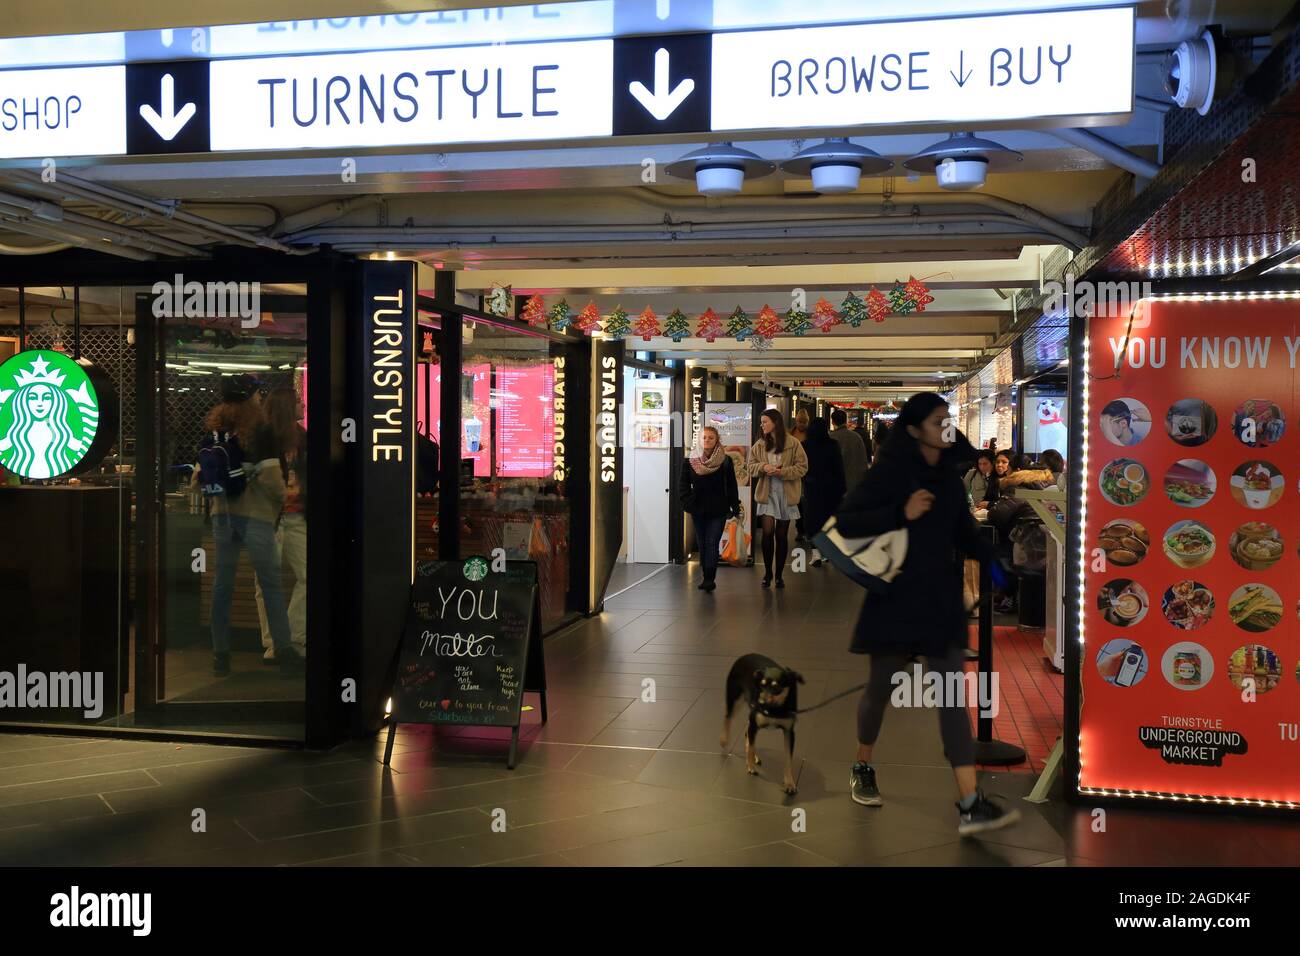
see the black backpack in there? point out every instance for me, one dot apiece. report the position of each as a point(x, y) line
point(221, 466)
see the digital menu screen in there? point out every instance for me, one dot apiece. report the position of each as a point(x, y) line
point(1191, 523)
point(525, 437)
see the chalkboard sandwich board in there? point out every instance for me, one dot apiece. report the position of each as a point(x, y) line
point(471, 648)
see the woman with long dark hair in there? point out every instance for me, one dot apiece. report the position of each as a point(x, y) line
point(283, 414)
point(916, 484)
point(778, 461)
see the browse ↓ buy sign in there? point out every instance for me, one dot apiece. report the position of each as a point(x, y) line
point(1034, 69)
point(1190, 671)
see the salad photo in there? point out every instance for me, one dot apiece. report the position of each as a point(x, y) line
point(1257, 484)
point(1189, 544)
point(1188, 605)
point(1191, 422)
point(1256, 546)
point(1124, 542)
point(1255, 608)
point(1124, 482)
point(1258, 423)
point(1190, 483)
point(1122, 602)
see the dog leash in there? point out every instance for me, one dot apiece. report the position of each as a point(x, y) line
point(851, 690)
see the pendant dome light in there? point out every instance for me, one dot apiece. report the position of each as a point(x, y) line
point(720, 169)
point(836, 165)
point(963, 160)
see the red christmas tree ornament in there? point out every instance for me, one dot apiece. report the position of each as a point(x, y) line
point(877, 305)
point(710, 326)
point(647, 326)
point(824, 316)
point(917, 292)
point(588, 320)
point(535, 312)
point(768, 323)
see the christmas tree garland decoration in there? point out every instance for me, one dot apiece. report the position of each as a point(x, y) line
point(796, 322)
point(824, 316)
point(766, 327)
point(560, 315)
point(877, 305)
point(853, 310)
point(899, 303)
point(676, 326)
point(917, 293)
point(738, 325)
point(617, 326)
point(588, 320)
point(710, 326)
point(647, 325)
point(535, 312)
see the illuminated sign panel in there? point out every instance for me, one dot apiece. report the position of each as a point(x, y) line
point(78, 111)
point(1189, 674)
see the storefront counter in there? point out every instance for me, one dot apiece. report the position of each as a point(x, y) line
point(63, 586)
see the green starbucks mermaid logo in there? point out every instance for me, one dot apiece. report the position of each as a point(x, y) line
point(49, 414)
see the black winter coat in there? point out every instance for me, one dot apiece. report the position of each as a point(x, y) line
point(823, 486)
point(924, 611)
point(710, 496)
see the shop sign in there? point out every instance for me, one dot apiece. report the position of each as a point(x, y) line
point(49, 414)
point(1031, 69)
point(607, 419)
point(1189, 678)
point(560, 465)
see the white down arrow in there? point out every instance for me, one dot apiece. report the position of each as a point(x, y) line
point(661, 103)
point(169, 122)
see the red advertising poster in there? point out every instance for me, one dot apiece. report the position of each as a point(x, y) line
point(476, 412)
point(524, 401)
point(1191, 525)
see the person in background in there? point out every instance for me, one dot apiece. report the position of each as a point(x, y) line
point(853, 450)
point(248, 521)
point(800, 432)
point(981, 482)
point(881, 436)
point(283, 413)
point(1055, 463)
point(778, 461)
point(916, 484)
point(1001, 464)
point(823, 486)
point(1022, 473)
point(709, 495)
point(862, 433)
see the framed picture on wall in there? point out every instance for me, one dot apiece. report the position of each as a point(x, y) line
point(652, 434)
point(652, 399)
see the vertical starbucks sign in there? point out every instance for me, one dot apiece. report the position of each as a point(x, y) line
point(49, 414)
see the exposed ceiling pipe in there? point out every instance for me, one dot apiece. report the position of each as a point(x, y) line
point(323, 213)
point(63, 232)
point(1113, 154)
point(851, 203)
point(149, 208)
point(131, 237)
point(8, 249)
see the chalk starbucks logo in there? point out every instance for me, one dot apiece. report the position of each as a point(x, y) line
point(476, 569)
point(49, 414)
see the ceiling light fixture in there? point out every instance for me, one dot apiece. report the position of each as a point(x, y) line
point(963, 160)
point(720, 169)
point(836, 165)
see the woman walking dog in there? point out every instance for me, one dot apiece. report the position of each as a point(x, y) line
point(916, 484)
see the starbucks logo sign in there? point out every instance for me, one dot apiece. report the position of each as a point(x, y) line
point(49, 414)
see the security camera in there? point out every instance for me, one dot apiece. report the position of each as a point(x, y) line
point(1192, 73)
point(966, 173)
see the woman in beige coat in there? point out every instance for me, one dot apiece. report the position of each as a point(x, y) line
point(778, 462)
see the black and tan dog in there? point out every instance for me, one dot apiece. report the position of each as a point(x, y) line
point(772, 693)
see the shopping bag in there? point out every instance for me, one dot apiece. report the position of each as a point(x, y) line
point(872, 562)
point(734, 547)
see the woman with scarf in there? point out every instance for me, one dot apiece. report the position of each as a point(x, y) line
point(916, 484)
point(710, 495)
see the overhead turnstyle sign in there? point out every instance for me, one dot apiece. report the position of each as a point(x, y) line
point(1033, 69)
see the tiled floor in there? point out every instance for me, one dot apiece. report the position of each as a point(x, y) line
point(615, 777)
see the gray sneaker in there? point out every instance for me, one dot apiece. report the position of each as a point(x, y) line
point(862, 785)
point(984, 816)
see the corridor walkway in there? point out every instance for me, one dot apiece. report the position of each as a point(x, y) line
point(612, 779)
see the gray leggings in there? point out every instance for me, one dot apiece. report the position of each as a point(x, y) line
point(954, 722)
